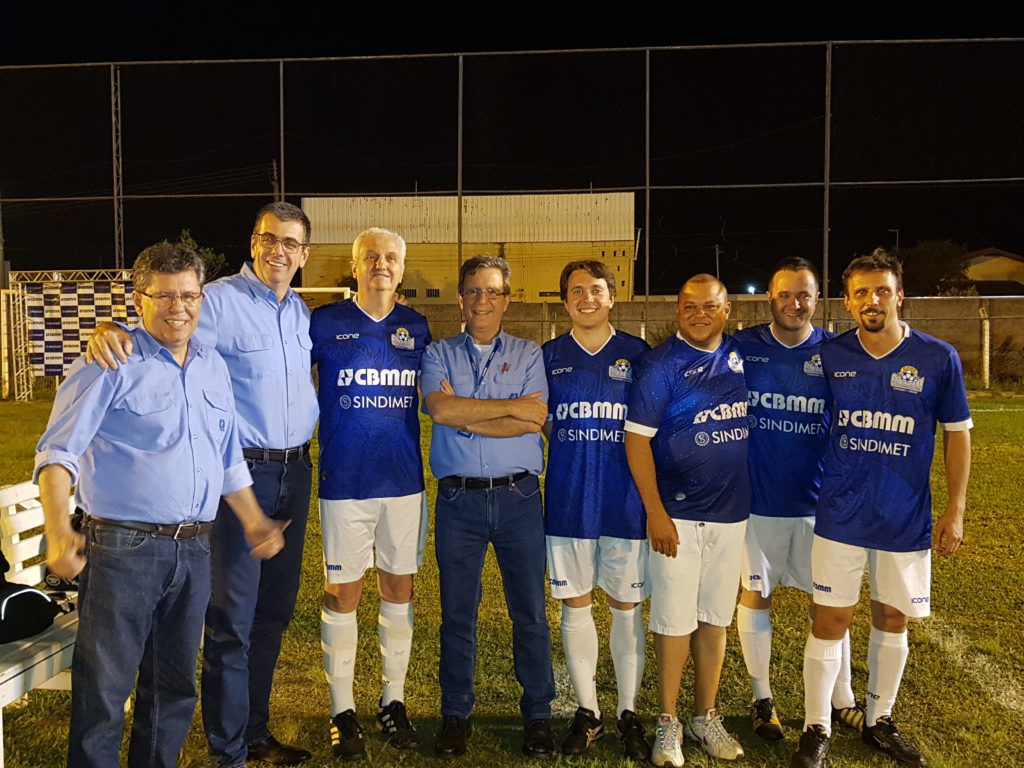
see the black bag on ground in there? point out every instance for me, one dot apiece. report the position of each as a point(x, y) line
point(24, 611)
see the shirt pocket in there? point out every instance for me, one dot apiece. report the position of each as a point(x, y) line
point(305, 350)
point(217, 410)
point(252, 353)
point(148, 420)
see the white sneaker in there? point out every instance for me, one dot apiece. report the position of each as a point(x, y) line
point(709, 731)
point(667, 751)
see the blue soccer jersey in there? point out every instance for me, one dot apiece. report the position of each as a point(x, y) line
point(693, 405)
point(789, 419)
point(369, 423)
point(876, 492)
point(589, 491)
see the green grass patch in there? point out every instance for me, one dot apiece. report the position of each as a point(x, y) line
point(962, 697)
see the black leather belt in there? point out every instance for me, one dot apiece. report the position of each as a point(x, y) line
point(285, 455)
point(187, 530)
point(477, 483)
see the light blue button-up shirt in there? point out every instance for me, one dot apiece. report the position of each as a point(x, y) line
point(514, 367)
point(150, 442)
point(267, 347)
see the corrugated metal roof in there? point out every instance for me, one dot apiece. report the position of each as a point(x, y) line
point(485, 218)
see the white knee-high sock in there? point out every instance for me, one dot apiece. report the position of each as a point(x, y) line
point(628, 648)
point(821, 666)
point(339, 639)
point(579, 641)
point(842, 694)
point(754, 627)
point(394, 629)
point(887, 656)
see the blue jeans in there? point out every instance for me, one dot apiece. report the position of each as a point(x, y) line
point(511, 519)
point(252, 603)
point(141, 604)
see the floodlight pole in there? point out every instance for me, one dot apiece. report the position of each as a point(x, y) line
point(115, 151)
point(827, 179)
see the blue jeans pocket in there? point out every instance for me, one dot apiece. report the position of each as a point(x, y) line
point(526, 488)
point(449, 493)
point(115, 538)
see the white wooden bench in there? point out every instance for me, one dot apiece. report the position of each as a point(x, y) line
point(43, 661)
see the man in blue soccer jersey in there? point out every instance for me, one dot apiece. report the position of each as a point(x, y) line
point(596, 531)
point(151, 448)
point(686, 441)
point(261, 328)
point(789, 423)
point(367, 352)
point(890, 385)
point(486, 393)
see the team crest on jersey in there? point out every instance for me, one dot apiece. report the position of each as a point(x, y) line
point(622, 370)
point(906, 379)
point(402, 339)
point(735, 363)
point(812, 367)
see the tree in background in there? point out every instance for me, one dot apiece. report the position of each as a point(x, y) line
point(929, 264)
point(216, 263)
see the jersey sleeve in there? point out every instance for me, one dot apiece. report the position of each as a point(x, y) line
point(648, 399)
point(953, 412)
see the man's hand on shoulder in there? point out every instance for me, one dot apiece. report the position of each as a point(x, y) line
point(108, 344)
point(65, 553)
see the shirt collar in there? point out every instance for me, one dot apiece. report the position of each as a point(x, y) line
point(498, 342)
point(259, 290)
point(149, 347)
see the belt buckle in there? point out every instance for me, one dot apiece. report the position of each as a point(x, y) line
point(178, 533)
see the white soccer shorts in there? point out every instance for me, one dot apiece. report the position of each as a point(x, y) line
point(777, 553)
point(354, 530)
point(618, 566)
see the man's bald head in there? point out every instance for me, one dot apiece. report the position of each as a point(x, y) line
point(701, 311)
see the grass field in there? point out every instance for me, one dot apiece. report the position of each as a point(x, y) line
point(962, 698)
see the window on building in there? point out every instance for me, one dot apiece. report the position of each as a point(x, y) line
point(433, 293)
point(409, 293)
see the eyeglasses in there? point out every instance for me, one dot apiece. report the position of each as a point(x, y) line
point(288, 245)
point(166, 300)
point(476, 293)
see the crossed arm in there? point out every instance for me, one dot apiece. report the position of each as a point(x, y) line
point(489, 418)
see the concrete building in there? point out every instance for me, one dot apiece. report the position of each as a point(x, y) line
point(537, 234)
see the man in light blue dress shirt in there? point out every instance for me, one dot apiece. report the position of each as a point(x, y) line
point(486, 393)
point(151, 448)
point(261, 328)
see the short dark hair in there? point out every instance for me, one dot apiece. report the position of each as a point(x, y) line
point(593, 267)
point(483, 261)
point(166, 259)
point(879, 260)
point(285, 212)
point(795, 264)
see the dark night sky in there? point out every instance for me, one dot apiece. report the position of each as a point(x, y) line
point(719, 117)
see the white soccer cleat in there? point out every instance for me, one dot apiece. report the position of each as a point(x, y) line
point(667, 751)
point(709, 732)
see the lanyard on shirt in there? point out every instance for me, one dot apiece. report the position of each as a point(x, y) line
point(478, 375)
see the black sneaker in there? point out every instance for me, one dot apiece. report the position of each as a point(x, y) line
point(814, 744)
point(347, 740)
point(885, 737)
point(766, 720)
point(584, 730)
point(394, 723)
point(538, 741)
point(453, 737)
point(631, 733)
point(851, 717)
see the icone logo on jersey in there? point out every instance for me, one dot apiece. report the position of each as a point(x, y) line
point(907, 380)
point(843, 374)
point(622, 370)
point(722, 412)
point(346, 336)
point(755, 359)
point(556, 371)
point(373, 377)
point(403, 339)
point(587, 410)
point(735, 363)
point(812, 367)
point(887, 422)
point(780, 402)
